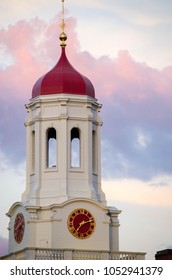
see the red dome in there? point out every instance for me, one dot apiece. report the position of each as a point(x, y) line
point(63, 78)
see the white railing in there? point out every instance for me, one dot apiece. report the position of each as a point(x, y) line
point(48, 254)
point(126, 256)
point(86, 255)
point(64, 254)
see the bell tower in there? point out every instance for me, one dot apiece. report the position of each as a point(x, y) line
point(63, 143)
point(63, 136)
point(63, 208)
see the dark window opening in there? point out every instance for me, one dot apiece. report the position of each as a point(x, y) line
point(75, 148)
point(94, 151)
point(51, 148)
point(33, 152)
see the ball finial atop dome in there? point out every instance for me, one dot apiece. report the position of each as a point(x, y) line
point(63, 38)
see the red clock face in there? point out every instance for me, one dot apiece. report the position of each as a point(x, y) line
point(81, 223)
point(19, 227)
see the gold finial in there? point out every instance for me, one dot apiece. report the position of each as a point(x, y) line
point(63, 36)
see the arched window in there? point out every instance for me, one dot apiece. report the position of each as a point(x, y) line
point(75, 147)
point(33, 152)
point(94, 167)
point(51, 148)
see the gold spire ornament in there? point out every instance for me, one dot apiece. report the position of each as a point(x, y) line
point(63, 36)
point(63, 21)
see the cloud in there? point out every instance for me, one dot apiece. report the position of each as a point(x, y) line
point(155, 193)
point(148, 227)
point(13, 182)
point(136, 25)
point(137, 135)
point(29, 46)
point(3, 246)
point(136, 113)
point(12, 12)
point(140, 13)
point(146, 212)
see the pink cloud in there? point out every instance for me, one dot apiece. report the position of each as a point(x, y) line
point(135, 96)
point(34, 46)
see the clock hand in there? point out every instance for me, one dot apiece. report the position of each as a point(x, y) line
point(83, 223)
point(18, 225)
point(80, 225)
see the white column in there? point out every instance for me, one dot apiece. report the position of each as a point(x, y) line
point(114, 230)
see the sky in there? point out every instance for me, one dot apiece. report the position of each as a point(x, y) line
point(124, 48)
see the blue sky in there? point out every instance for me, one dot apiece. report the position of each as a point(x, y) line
point(124, 47)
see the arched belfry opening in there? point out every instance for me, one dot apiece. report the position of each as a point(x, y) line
point(51, 148)
point(33, 153)
point(75, 148)
point(94, 152)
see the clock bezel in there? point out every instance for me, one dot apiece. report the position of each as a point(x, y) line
point(19, 229)
point(81, 223)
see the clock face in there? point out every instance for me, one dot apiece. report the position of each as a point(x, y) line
point(81, 223)
point(19, 227)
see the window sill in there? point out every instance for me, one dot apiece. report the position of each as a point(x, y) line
point(76, 169)
point(51, 169)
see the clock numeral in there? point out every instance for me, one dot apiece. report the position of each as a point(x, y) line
point(71, 227)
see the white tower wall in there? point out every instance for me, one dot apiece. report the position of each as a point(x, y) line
point(47, 185)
